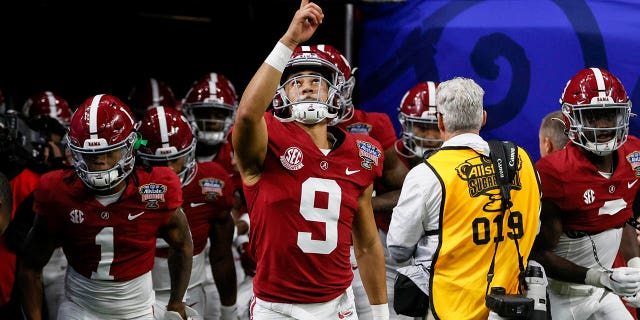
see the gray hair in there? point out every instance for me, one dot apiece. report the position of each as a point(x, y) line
point(459, 102)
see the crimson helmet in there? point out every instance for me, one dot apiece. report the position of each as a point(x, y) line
point(47, 104)
point(169, 137)
point(148, 94)
point(347, 74)
point(211, 106)
point(596, 109)
point(418, 110)
point(102, 125)
point(309, 108)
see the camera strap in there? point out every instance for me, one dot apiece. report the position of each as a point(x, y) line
point(504, 156)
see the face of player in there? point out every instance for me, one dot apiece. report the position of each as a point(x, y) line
point(604, 120)
point(177, 165)
point(211, 119)
point(307, 86)
point(103, 161)
point(429, 134)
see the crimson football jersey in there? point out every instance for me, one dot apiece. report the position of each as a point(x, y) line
point(114, 242)
point(377, 125)
point(302, 209)
point(208, 197)
point(590, 202)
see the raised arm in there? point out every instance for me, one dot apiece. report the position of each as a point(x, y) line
point(250, 131)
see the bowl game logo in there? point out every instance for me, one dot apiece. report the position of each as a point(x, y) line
point(634, 161)
point(481, 180)
point(211, 187)
point(369, 153)
point(152, 193)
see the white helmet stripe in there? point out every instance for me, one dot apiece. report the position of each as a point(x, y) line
point(155, 92)
point(600, 82)
point(53, 112)
point(162, 122)
point(93, 116)
point(431, 89)
point(213, 89)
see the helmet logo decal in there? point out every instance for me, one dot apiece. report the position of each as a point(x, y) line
point(211, 187)
point(292, 158)
point(152, 193)
point(369, 153)
point(634, 161)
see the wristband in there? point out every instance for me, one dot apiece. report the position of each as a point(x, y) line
point(229, 312)
point(245, 217)
point(380, 311)
point(279, 57)
point(634, 262)
point(593, 278)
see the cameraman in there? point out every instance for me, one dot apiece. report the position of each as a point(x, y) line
point(449, 212)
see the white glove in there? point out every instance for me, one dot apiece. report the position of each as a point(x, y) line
point(173, 315)
point(633, 302)
point(623, 281)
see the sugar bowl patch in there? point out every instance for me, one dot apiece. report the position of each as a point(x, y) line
point(634, 161)
point(369, 153)
point(152, 193)
point(211, 188)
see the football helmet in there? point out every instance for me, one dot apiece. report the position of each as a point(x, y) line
point(47, 104)
point(210, 105)
point(148, 94)
point(596, 109)
point(347, 76)
point(304, 107)
point(102, 127)
point(417, 112)
point(169, 137)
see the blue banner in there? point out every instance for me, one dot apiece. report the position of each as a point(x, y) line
point(521, 52)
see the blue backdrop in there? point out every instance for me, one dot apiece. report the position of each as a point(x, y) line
point(521, 52)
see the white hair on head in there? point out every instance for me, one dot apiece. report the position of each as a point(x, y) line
point(460, 102)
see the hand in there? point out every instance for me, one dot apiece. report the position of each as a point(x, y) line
point(247, 262)
point(303, 25)
point(189, 313)
point(633, 301)
point(623, 281)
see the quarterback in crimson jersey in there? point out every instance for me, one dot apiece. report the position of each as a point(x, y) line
point(308, 186)
point(106, 215)
point(326, 190)
point(588, 191)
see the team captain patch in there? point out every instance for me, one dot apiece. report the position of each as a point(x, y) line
point(369, 153)
point(152, 194)
point(634, 160)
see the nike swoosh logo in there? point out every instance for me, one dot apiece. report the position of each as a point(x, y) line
point(133, 216)
point(350, 172)
point(630, 184)
point(197, 204)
